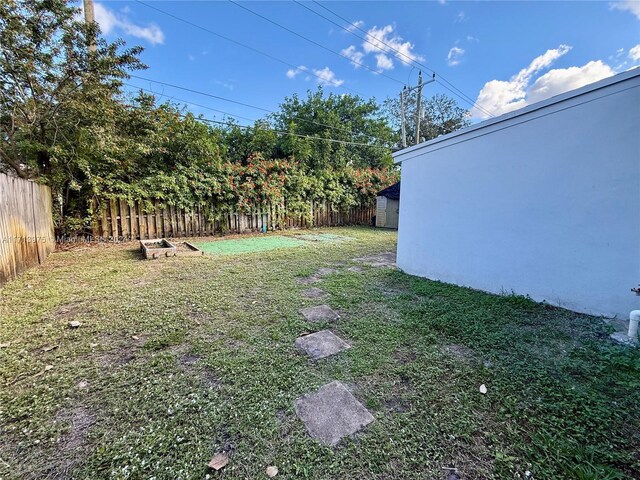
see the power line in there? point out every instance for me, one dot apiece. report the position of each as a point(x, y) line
point(203, 119)
point(261, 53)
point(273, 22)
point(186, 89)
point(188, 102)
point(248, 47)
point(297, 117)
point(452, 88)
point(308, 137)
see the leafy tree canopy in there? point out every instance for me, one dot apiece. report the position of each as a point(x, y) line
point(440, 115)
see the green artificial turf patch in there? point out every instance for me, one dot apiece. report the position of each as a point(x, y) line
point(236, 246)
point(322, 237)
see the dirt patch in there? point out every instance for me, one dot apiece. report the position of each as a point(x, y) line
point(458, 351)
point(69, 310)
point(191, 364)
point(389, 291)
point(324, 271)
point(384, 259)
point(404, 356)
point(80, 420)
point(117, 358)
point(397, 404)
point(225, 443)
point(307, 280)
point(188, 360)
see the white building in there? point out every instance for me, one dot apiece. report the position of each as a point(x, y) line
point(543, 201)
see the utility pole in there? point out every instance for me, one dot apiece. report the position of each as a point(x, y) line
point(419, 107)
point(402, 117)
point(403, 97)
point(89, 19)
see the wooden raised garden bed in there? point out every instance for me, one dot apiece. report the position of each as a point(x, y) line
point(157, 248)
point(186, 248)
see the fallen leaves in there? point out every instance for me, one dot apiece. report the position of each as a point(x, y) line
point(219, 461)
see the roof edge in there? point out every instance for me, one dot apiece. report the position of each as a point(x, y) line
point(605, 82)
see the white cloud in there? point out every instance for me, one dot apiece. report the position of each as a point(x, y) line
point(471, 38)
point(499, 96)
point(324, 76)
point(383, 62)
point(355, 25)
point(632, 6)
point(293, 72)
point(561, 80)
point(384, 40)
point(353, 54)
point(327, 77)
point(634, 53)
point(111, 21)
point(454, 56)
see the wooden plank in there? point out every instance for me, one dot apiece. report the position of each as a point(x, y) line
point(159, 219)
point(133, 221)
point(142, 222)
point(151, 222)
point(124, 219)
point(172, 220)
point(95, 220)
point(26, 225)
point(104, 225)
point(8, 252)
point(179, 223)
point(114, 219)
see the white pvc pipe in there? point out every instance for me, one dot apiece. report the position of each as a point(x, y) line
point(634, 318)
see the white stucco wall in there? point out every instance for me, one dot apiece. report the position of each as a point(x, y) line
point(545, 203)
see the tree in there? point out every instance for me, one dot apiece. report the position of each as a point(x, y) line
point(241, 142)
point(340, 121)
point(54, 93)
point(440, 115)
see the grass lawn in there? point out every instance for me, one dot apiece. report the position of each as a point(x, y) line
point(178, 359)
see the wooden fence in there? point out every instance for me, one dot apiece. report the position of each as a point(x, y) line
point(119, 220)
point(26, 225)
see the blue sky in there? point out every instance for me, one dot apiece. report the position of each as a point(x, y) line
point(502, 55)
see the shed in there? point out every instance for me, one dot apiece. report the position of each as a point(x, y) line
point(542, 201)
point(388, 206)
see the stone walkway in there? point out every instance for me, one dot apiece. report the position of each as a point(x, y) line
point(332, 412)
point(321, 344)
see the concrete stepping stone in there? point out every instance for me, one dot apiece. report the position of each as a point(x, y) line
point(319, 313)
point(332, 413)
point(321, 344)
point(314, 292)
